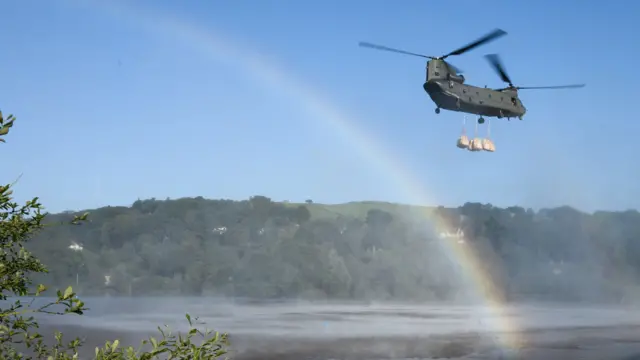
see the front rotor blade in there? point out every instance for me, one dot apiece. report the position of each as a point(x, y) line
point(494, 60)
point(380, 47)
point(573, 86)
point(483, 40)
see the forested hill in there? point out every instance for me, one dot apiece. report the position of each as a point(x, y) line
point(365, 250)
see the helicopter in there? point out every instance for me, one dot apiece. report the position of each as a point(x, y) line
point(446, 86)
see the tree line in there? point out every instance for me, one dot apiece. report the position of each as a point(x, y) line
point(259, 248)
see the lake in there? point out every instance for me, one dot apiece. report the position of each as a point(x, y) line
point(303, 330)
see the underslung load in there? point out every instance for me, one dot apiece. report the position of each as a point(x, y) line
point(487, 145)
point(463, 142)
point(477, 143)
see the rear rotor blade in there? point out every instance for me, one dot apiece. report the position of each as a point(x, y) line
point(494, 60)
point(380, 47)
point(483, 40)
point(573, 86)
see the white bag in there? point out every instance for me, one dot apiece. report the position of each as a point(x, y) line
point(463, 142)
point(487, 145)
point(475, 144)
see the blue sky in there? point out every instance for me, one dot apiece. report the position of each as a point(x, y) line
point(113, 104)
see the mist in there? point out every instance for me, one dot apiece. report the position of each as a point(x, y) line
point(339, 330)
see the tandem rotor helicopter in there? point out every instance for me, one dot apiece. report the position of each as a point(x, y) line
point(446, 85)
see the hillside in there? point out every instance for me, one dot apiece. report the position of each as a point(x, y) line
point(359, 209)
point(358, 250)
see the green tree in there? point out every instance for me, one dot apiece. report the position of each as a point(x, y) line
point(261, 207)
point(302, 214)
point(18, 328)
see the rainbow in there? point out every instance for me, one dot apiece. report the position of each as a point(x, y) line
point(369, 148)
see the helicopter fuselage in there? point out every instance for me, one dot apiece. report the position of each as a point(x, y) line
point(448, 91)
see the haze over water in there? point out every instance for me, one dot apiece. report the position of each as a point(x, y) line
point(302, 330)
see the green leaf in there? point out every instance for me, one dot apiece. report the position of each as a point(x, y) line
point(41, 289)
point(68, 293)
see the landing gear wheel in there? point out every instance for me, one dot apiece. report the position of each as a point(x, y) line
point(520, 117)
point(481, 120)
point(437, 110)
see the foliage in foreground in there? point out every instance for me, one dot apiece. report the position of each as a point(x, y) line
point(18, 327)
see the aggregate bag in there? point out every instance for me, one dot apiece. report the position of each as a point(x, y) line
point(476, 144)
point(488, 145)
point(463, 142)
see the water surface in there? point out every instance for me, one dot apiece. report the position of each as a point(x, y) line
point(301, 330)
